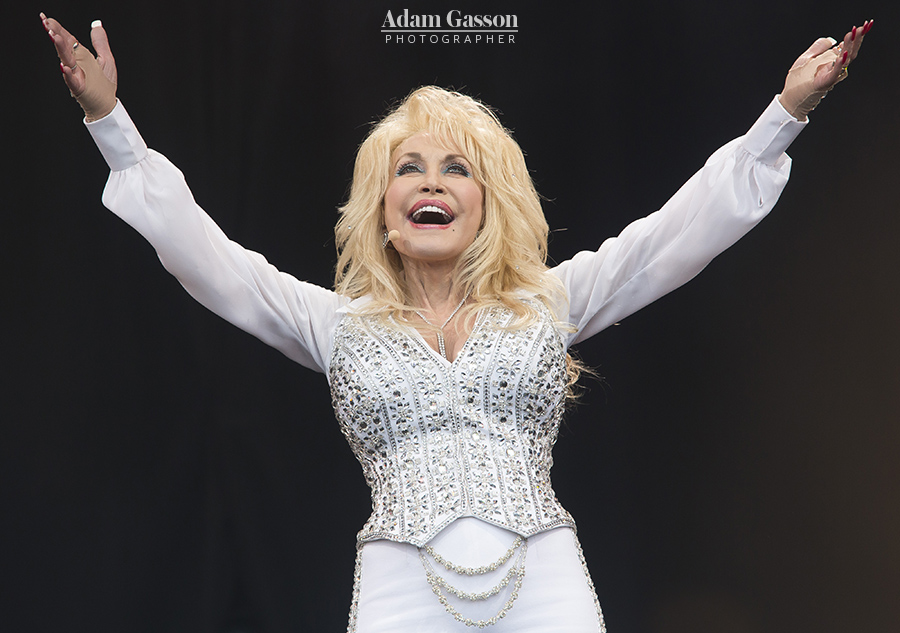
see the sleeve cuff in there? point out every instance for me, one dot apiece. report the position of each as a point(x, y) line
point(772, 133)
point(118, 139)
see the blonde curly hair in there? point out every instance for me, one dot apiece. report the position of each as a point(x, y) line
point(509, 254)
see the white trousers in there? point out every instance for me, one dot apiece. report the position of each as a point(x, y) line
point(393, 595)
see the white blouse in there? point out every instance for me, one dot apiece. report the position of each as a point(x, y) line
point(734, 190)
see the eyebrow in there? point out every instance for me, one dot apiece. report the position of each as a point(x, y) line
point(418, 156)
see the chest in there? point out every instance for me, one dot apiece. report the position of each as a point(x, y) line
point(389, 387)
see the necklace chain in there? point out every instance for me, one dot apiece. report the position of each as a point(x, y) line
point(440, 333)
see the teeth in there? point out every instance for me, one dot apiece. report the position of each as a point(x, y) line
point(418, 213)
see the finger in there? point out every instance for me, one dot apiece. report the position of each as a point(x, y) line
point(850, 45)
point(65, 44)
point(855, 37)
point(62, 40)
point(74, 79)
point(819, 46)
point(846, 52)
point(827, 75)
point(830, 66)
point(830, 74)
point(100, 40)
point(105, 58)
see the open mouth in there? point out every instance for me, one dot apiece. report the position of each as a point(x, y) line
point(431, 212)
point(431, 215)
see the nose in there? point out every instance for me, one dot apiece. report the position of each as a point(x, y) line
point(432, 182)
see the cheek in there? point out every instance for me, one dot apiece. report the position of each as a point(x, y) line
point(395, 197)
point(391, 202)
point(475, 201)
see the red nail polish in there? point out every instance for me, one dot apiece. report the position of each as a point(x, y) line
point(853, 34)
point(844, 59)
point(62, 68)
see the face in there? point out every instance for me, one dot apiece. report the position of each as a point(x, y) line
point(433, 201)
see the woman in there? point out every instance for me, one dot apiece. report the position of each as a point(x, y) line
point(445, 340)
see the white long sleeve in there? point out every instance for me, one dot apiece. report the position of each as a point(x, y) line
point(735, 189)
point(150, 194)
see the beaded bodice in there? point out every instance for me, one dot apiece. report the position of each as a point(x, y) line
point(438, 440)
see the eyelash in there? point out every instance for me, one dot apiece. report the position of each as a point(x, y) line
point(462, 170)
point(457, 168)
point(407, 168)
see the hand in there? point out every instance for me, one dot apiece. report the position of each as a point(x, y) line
point(818, 70)
point(91, 81)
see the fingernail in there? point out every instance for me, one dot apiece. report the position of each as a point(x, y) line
point(62, 68)
point(853, 34)
point(50, 32)
point(96, 24)
point(844, 59)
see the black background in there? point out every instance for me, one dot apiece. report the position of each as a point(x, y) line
point(735, 470)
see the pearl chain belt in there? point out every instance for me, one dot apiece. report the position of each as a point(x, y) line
point(439, 583)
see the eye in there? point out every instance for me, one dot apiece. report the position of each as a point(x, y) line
point(457, 168)
point(409, 168)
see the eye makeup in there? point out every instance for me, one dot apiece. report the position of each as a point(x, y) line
point(456, 168)
point(409, 168)
point(451, 166)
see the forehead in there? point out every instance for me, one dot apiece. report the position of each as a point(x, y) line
point(428, 146)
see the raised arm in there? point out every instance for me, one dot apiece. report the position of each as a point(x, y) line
point(151, 195)
point(731, 193)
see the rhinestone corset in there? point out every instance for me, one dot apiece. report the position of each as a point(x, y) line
point(438, 441)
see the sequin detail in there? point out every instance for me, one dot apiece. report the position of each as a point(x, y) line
point(357, 580)
point(590, 583)
point(437, 440)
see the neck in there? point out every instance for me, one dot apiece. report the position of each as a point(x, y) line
point(431, 286)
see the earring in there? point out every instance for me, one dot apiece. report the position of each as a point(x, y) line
point(384, 240)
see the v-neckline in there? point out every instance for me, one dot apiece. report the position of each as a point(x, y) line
point(436, 354)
